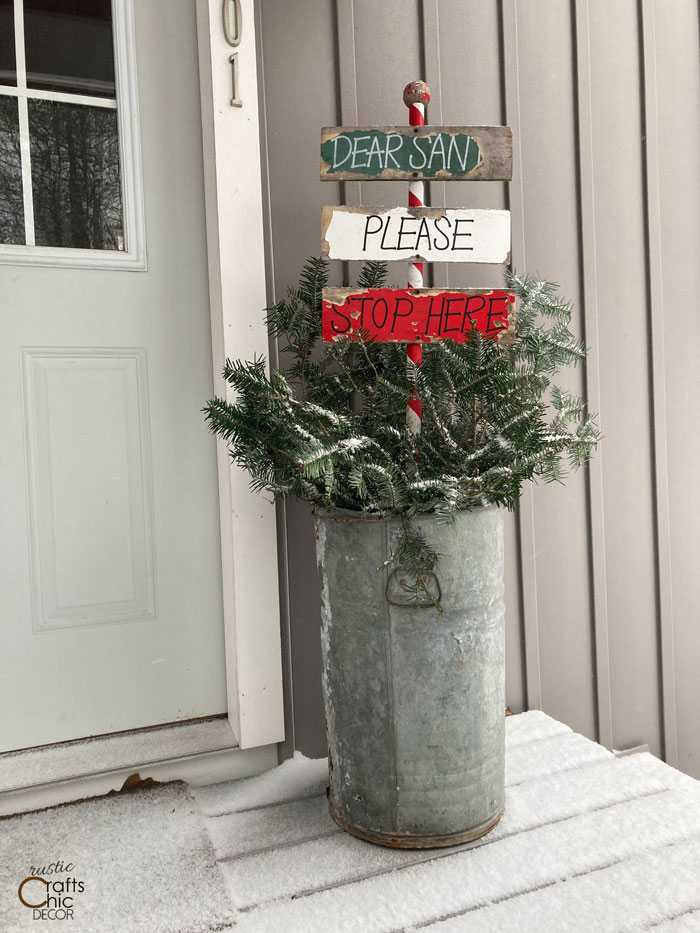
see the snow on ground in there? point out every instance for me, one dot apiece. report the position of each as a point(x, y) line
point(589, 843)
point(453, 884)
point(630, 895)
point(579, 822)
point(298, 777)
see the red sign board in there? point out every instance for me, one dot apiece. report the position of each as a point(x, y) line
point(405, 315)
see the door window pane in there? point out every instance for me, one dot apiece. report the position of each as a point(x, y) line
point(8, 64)
point(60, 172)
point(75, 175)
point(68, 46)
point(11, 196)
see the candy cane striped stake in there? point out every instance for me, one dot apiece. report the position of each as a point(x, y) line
point(416, 95)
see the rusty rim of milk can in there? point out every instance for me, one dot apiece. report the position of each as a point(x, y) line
point(398, 841)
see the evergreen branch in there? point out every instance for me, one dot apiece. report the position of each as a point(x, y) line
point(330, 426)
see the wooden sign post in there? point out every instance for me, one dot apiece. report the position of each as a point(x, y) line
point(416, 233)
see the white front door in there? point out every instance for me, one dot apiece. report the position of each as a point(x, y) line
point(110, 566)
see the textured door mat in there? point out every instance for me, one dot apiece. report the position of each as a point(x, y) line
point(132, 862)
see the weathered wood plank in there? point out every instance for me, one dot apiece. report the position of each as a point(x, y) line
point(443, 153)
point(393, 315)
point(423, 234)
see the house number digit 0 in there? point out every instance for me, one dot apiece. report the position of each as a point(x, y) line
point(233, 25)
point(233, 21)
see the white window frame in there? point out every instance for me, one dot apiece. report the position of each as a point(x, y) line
point(133, 257)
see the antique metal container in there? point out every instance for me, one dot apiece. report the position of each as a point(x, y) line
point(414, 698)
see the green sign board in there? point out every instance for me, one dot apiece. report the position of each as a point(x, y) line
point(409, 152)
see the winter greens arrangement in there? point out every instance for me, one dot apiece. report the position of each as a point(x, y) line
point(331, 426)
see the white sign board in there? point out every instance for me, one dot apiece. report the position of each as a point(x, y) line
point(429, 234)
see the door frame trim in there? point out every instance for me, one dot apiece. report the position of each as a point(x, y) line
point(237, 292)
point(206, 767)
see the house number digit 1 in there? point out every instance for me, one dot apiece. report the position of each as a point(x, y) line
point(235, 99)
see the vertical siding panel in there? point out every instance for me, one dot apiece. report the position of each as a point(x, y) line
point(298, 57)
point(388, 51)
point(678, 86)
point(296, 70)
point(551, 234)
point(525, 512)
point(468, 89)
point(389, 55)
point(516, 693)
point(656, 304)
point(435, 191)
point(379, 52)
point(350, 191)
point(624, 355)
point(346, 65)
point(592, 374)
point(471, 93)
point(516, 674)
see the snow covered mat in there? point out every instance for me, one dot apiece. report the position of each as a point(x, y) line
point(589, 842)
point(133, 862)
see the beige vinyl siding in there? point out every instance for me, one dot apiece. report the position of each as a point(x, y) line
point(603, 588)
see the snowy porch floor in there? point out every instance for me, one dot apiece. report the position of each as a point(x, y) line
point(588, 842)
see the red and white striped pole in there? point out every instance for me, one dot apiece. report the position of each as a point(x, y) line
point(416, 95)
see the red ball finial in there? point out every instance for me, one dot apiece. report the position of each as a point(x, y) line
point(416, 92)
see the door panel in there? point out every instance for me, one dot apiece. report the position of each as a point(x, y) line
point(92, 542)
point(110, 556)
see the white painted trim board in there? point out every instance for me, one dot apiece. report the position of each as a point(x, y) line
point(235, 241)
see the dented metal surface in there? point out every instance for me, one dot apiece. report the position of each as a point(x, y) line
point(414, 698)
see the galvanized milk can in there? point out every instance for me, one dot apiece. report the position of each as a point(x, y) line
point(414, 698)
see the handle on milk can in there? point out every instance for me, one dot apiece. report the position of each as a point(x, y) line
point(395, 586)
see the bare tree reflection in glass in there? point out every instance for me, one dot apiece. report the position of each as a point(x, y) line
point(75, 176)
point(11, 196)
